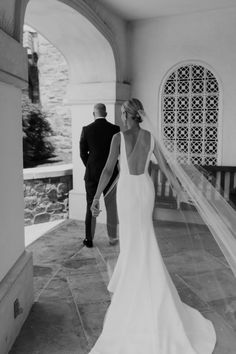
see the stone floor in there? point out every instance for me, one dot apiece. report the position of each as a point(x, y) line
point(71, 297)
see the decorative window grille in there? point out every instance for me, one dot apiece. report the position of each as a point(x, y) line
point(190, 109)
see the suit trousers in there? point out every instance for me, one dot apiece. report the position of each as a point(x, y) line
point(111, 210)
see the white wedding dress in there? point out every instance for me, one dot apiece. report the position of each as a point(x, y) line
point(146, 315)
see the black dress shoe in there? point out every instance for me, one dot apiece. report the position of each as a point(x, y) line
point(88, 243)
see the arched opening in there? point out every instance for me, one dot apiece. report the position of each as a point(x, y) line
point(47, 143)
point(48, 81)
point(88, 53)
point(92, 62)
point(88, 44)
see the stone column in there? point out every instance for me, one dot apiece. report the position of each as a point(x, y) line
point(16, 270)
point(81, 99)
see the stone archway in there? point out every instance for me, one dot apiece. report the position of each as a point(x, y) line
point(87, 52)
point(96, 70)
point(93, 77)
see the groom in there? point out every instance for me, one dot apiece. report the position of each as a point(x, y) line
point(95, 143)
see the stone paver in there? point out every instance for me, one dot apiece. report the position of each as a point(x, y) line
point(71, 296)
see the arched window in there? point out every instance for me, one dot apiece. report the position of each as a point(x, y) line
point(190, 110)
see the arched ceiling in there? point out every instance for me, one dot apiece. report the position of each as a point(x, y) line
point(89, 55)
point(142, 9)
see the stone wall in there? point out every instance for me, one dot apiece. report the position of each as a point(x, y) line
point(53, 81)
point(46, 198)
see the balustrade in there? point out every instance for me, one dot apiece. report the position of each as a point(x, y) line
point(223, 178)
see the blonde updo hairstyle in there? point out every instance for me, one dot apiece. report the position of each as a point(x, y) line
point(132, 107)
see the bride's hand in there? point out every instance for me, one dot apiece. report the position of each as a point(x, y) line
point(95, 208)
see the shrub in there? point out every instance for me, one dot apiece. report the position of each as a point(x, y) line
point(36, 132)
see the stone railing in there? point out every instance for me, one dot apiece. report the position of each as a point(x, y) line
point(46, 191)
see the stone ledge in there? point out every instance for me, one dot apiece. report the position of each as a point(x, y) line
point(47, 171)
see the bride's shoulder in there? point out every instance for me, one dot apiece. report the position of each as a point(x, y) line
point(146, 132)
point(148, 137)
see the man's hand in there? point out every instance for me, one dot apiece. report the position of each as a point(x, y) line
point(95, 208)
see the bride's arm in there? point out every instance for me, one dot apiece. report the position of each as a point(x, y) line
point(107, 171)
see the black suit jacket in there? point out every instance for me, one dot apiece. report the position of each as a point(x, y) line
point(95, 143)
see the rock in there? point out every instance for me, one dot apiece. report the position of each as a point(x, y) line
point(32, 192)
point(44, 199)
point(55, 207)
point(28, 214)
point(57, 217)
point(62, 191)
point(40, 188)
point(52, 194)
point(40, 209)
point(40, 194)
point(62, 188)
point(42, 217)
point(66, 203)
point(28, 222)
point(31, 202)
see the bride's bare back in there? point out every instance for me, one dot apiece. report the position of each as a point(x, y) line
point(137, 147)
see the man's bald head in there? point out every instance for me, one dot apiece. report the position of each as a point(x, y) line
point(99, 110)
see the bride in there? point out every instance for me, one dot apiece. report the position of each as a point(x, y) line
point(146, 315)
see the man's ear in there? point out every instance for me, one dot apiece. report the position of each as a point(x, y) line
point(105, 114)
